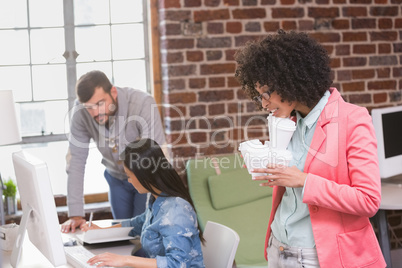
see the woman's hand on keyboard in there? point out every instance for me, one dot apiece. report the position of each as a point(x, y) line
point(85, 227)
point(108, 259)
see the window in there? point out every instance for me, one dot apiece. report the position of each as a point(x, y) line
point(48, 44)
point(45, 47)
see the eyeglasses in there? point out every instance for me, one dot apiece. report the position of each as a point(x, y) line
point(266, 95)
point(94, 106)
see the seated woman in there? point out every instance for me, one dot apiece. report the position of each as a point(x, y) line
point(169, 231)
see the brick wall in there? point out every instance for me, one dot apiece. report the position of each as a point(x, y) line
point(205, 112)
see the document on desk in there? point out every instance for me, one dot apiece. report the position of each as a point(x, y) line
point(104, 235)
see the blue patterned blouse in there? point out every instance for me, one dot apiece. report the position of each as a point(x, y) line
point(169, 233)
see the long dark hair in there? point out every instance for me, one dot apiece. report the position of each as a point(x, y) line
point(147, 161)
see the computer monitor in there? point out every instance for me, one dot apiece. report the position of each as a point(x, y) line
point(39, 216)
point(388, 129)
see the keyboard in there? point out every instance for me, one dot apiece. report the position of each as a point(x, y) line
point(77, 256)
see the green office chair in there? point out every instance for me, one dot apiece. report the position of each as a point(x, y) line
point(223, 192)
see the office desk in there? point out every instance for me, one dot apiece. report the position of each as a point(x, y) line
point(31, 257)
point(391, 199)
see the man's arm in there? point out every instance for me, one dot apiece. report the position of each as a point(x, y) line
point(76, 159)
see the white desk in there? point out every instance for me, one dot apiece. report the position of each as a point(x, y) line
point(391, 199)
point(31, 257)
point(391, 195)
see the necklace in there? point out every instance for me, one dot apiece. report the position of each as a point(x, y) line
point(113, 144)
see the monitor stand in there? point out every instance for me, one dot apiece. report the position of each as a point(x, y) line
point(19, 241)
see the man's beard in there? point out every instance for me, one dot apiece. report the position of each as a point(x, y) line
point(101, 119)
point(105, 117)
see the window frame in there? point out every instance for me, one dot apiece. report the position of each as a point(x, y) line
point(152, 62)
point(151, 59)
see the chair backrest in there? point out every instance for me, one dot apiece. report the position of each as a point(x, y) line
point(231, 198)
point(220, 245)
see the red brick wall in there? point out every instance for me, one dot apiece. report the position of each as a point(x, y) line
point(205, 112)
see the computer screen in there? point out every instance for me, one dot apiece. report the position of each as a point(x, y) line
point(388, 128)
point(39, 216)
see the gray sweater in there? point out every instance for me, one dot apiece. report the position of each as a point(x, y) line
point(137, 117)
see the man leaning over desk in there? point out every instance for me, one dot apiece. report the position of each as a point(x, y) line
point(112, 117)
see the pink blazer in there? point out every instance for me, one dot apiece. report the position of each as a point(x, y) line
point(343, 187)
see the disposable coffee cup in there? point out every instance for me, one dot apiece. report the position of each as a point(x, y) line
point(281, 158)
point(255, 155)
point(280, 132)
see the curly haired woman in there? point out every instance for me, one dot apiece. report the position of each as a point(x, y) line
point(321, 202)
